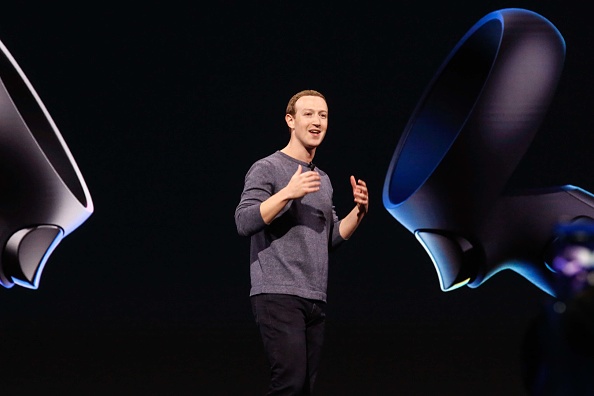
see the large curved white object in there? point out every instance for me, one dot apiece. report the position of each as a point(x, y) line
point(43, 196)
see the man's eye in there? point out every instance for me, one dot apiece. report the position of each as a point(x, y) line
point(323, 115)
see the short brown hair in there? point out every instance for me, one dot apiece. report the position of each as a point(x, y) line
point(293, 100)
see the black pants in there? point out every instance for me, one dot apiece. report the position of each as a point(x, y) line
point(292, 330)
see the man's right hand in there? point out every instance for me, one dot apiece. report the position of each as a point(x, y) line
point(302, 183)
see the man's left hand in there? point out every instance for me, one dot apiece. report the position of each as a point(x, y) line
point(360, 194)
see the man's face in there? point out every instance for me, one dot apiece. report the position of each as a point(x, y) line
point(310, 121)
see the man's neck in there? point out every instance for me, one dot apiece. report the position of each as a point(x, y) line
point(300, 153)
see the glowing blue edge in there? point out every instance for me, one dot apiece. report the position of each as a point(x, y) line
point(44, 259)
point(388, 204)
point(454, 286)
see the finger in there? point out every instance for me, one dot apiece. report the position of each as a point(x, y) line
point(310, 189)
point(311, 183)
point(298, 172)
point(361, 199)
point(311, 175)
point(361, 193)
point(353, 184)
point(362, 183)
point(361, 203)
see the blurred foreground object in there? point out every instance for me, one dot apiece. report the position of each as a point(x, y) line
point(478, 116)
point(44, 197)
point(559, 345)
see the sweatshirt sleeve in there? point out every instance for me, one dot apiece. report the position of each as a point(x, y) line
point(335, 238)
point(258, 187)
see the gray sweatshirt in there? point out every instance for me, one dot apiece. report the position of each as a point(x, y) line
point(290, 255)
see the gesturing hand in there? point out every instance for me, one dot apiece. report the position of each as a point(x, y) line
point(360, 194)
point(302, 184)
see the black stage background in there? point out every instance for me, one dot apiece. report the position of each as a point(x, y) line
point(165, 107)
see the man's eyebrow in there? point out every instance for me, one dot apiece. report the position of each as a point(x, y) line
point(321, 110)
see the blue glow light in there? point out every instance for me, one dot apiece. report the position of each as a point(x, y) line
point(35, 282)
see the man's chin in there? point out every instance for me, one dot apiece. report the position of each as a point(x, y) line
point(314, 144)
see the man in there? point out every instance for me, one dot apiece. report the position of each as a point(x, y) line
point(286, 208)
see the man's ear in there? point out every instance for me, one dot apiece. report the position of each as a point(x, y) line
point(290, 121)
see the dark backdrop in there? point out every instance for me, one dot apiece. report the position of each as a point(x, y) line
point(165, 107)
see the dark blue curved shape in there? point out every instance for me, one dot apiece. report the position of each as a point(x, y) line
point(474, 122)
point(446, 106)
